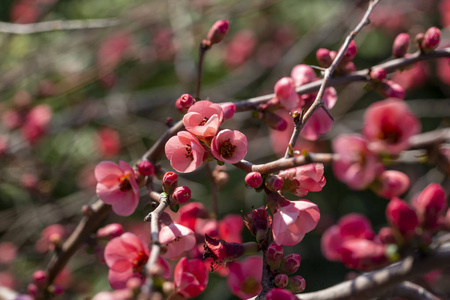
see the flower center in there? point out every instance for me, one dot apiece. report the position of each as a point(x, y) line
point(189, 152)
point(203, 122)
point(125, 184)
point(139, 262)
point(250, 285)
point(390, 134)
point(227, 149)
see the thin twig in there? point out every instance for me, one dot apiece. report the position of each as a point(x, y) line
point(318, 102)
point(57, 25)
point(201, 55)
point(214, 191)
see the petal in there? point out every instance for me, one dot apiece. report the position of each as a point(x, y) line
point(107, 168)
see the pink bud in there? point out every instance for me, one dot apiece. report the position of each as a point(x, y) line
point(347, 68)
point(169, 182)
point(184, 102)
point(323, 57)
point(146, 168)
point(402, 217)
point(391, 184)
point(281, 280)
point(378, 74)
point(40, 278)
point(431, 39)
point(291, 263)
point(364, 254)
point(285, 92)
point(400, 45)
point(274, 183)
point(32, 289)
point(280, 294)
point(274, 121)
point(419, 39)
point(258, 222)
point(297, 284)
point(350, 52)
point(390, 89)
point(218, 31)
point(110, 231)
point(431, 205)
point(274, 255)
point(253, 179)
point(228, 108)
point(386, 235)
point(181, 195)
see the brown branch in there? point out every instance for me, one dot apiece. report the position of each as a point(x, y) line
point(376, 283)
point(411, 291)
point(318, 102)
point(57, 25)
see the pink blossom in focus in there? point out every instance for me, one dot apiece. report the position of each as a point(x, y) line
point(228, 108)
point(184, 103)
point(431, 205)
point(303, 179)
point(108, 142)
point(203, 119)
point(244, 278)
point(356, 165)
point(117, 186)
point(184, 152)
point(190, 277)
point(285, 92)
point(323, 57)
point(181, 195)
point(177, 239)
point(391, 184)
point(253, 179)
point(388, 125)
point(125, 256)
point(364, 255)
point(229, 146)
point(303, 74)
point(292, 220)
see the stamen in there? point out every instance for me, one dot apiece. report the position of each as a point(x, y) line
point(203, 122)
point(125, 184)
point(189, 152)
point(227, 149)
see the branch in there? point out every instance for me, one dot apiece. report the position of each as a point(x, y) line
point(318, 102)
point(372, 284)
point(412, 291)
point(57, 25)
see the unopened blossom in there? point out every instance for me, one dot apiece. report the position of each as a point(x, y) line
point(190, 277)
point(290, 263)
point(323, 57)
point(125, 256)
point(350, 52)
point(184, 103)
point(390, 89)
point(285, 93)
point(281, 280)
point(203, 119)
point(388, 126)
point(218, 31)
point(377, 74)
point(146, 168)
point(386, 235)
point(356, 165)
point(177, 239)
point(181, 195)
point(400, 45)
point(274, 183)
point(229, 146)
point(390, 184)
point(253, 179)
point(274, 255)
point(228, 108)
point(184, 152)
point(292, 220)
point(169, 182)
point(297, 284)
point(244, 278)
point(431, 205)
point(303, 74)
point(117, 186)
point(402, 217)
point(364, 255)
point(303, 179)
point(110, 231)
point(280, 294)
point(431, 39)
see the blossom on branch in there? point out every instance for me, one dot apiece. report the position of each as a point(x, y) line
point(244, 278)
point(184, 152)
point(203, 119)
point(229, 146)
point(177, 239)
point(190, 277)
point(301, 180)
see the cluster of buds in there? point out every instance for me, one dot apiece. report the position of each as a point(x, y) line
point(387, 88)
point(326, 57)
point(39, 289)
point(177, 194)
point(283, 266)
point(426, 42)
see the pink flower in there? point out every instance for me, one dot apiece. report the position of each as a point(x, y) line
point(177, 239)
point(229, 146)
point(280, 294)
point(356, 165)
point(292, 220)
point(349, 227)
point(391, 184)
point(203, 119)
point(190, 277)
point(117, 186)
point(364, 255)
point(303, 179)
point(285, 92)
point(388, 125)
point(303, 74)
point(36, 123)
point(402, 217)
point(184, 152)
point(244, 279)
point(431, 205)
point(125, 256)
point(8, 251)
point(390, 89)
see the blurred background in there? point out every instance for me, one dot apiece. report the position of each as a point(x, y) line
point(83, 81)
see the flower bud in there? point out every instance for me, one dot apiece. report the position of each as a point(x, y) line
point(400, 45)
point(364, 255)
point(386, 235)
point(378, 74)
point(281, 280)
point(146, 168)
point(169, 182)
point(402, 217)
point(258, 222)
point(419, 39)
point(323, 57)
point(110, 231)
point(253, 179)
point(390, 89)
point(350, 52)
point(277, 294)
point(184, 102)
point(274, 183)
point(431, 205)
point(291, 263)
point(285, 92)
point(40, 278)
point(347, 68)
point(431, 39)
point(181, 195)
point(223, 252)
point(297, 284)
point(390, 184)
point(228, 108)
point(218, 31)
point(274, 255)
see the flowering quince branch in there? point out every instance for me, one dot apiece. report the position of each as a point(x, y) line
point(411, 290)
point(301, 120)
